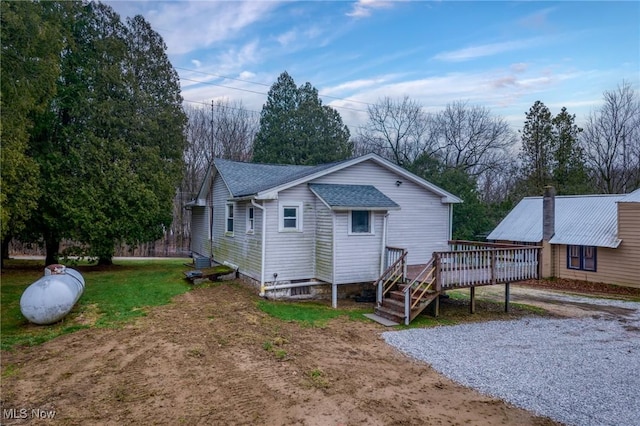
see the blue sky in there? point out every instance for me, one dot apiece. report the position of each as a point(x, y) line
point(501, 55)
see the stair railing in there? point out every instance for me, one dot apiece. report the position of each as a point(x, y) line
point(391, 276)
point(415, 291)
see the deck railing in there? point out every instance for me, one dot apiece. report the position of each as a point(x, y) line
point(395, 272)
point(470, 264)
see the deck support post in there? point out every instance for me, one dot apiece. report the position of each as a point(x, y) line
point(334, 295)
point(506, 297)
point(436, 306)
point(472, 300)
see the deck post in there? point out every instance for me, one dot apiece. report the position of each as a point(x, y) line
point(334, 295)
point(436, 306)
point(506, 297)
point(472, 300)
point(407, 306)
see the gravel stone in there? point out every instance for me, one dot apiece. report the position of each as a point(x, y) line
point(575, 371)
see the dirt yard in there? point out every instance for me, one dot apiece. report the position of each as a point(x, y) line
point(204, 359)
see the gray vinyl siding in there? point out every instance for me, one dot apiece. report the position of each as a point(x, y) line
point(421, 225)
point(291, 254)
point(200, 230)
point(241, 249)
point(357, 256)
point(324, 242)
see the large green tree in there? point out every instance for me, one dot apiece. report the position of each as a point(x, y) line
point(569, 172)
point(30, 45)
point(296, 128)
point(538, 147)
point(110, 144)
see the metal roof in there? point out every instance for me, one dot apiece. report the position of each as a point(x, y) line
point(349, 197)
point(634, 197)
point(589, 220)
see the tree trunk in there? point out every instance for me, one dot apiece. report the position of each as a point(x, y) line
point(105, 261)
point(52, 245)
point(5, 251)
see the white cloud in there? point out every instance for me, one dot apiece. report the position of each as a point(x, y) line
point(490, 49)
point(196, 63)
point(287, 38)
point(187, 26)
point(363, 8)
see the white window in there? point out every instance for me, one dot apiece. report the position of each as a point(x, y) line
point(291, 217)
point(360, 222)
point(250, 220)
point(229, 219)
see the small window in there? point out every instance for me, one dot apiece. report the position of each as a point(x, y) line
point(229, 221)
point(291, 217)
point(589, 258)
point(574, 257)
point(250, 220)
point(582, 258)
point(360, 222)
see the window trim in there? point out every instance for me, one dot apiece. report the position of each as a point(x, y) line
point(251, 220)
point(299, 214)
point(229, 218)
point(581, 256)
point(371, 223)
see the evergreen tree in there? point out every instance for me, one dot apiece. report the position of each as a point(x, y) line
point(110, 144)
point(569, 173)
point(31, 41)
point(538, 148)
point(295, 128)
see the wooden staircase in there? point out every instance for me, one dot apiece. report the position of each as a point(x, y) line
point(401, 301)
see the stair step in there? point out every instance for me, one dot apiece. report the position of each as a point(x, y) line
point(394, 304)
point(389, 314)
point(399, 296)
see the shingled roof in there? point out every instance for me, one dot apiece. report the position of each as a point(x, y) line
point(264, 181)
point(349, 197)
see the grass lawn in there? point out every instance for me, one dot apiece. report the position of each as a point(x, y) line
point(311, 313)
point(112, 296)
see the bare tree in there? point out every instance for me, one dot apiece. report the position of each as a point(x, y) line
point(471, 138)
point(224, 130)
point(611, 141)
point(398, 130)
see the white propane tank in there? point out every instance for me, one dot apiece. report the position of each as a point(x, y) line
point(52, 297)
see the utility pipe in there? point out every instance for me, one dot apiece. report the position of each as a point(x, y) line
point(264, 244)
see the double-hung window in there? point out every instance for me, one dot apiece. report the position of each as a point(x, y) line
point(250, 220)
point(229, 219)
point(581, 257)
point(290, 217)
point(360, 222)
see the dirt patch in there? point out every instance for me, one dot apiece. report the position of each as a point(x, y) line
point(557, 301)
point(212, 357)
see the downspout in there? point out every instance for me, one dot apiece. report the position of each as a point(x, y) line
point(384, 243)
point(334, 286)
point(264, 244)
point(450, 221)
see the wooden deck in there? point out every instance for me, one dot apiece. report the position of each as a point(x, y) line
point(467, 265)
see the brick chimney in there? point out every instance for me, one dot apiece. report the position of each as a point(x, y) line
point(548, 213)
point(547, 269)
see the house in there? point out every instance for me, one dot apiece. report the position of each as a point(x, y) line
point(584, 237)
point(307, 230)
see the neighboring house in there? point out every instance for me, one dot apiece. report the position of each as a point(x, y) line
point(585, 237)
point(292, 229)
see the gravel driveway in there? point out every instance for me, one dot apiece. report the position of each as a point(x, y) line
point(578, 371)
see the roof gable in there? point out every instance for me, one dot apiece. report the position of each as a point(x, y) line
point(634, 197)
point(350, 197)
point(264, 181)
point(589, 220)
